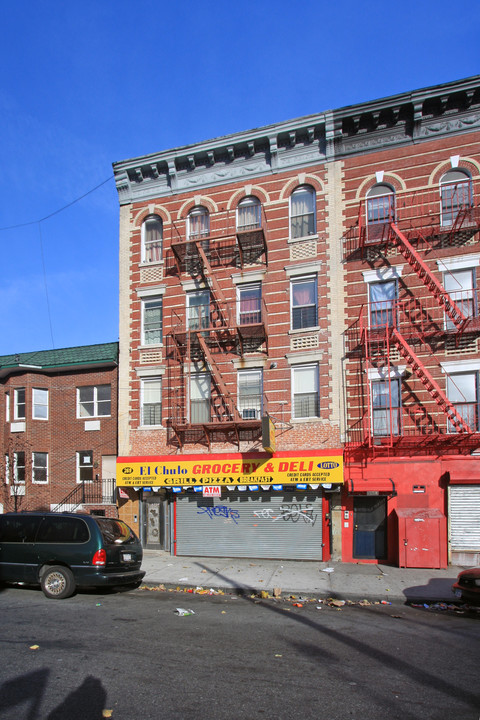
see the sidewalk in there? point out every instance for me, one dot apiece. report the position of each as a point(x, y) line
point(343, 581)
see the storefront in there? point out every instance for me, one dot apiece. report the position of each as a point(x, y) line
point(463, 478)
point(237, 505)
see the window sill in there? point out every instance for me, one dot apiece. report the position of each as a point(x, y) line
point(297, 421)
point(314, 236)
point(144, 263)
point(151, 427)
point(152, 346)
point(314, 328)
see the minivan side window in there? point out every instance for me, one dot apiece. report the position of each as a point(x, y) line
point(63, 530)
point(18, 529)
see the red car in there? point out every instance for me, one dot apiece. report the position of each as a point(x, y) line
point(467, 586)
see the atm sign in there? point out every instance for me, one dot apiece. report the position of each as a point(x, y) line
point(212, 491)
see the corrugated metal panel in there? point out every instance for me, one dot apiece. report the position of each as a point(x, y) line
point(285, 526)
point(465, 517)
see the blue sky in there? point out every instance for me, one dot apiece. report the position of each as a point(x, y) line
point(85, 84)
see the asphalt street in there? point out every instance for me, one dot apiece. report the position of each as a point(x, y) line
point(131, 655)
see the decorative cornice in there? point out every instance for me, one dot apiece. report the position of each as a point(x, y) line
point(436, 111)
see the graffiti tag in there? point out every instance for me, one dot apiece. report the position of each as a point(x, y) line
point(293, 512)
point(220, 511)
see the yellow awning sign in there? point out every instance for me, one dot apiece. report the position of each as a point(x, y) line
point(230, 469)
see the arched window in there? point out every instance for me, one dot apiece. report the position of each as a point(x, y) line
point(152, 237)
point(198, 223)
point(302, 212)
point(380, 210)
point(456, 195)
point(249, 214)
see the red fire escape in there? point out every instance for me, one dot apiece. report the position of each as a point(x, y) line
point(407, 329)
point(201, 379)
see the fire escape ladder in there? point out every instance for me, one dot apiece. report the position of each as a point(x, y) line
point(438, 291)
point(217, 375)
point(428, 382)
point(217, 290)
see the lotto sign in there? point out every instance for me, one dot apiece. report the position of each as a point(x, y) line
point(212, 491)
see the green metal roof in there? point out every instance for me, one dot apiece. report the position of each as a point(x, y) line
point(106, 353)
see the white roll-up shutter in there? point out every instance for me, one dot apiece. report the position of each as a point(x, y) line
point(250, 524)
point(465, 518)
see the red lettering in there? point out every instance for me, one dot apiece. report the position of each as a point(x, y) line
point(283, 467)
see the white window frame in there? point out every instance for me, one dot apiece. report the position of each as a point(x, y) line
point(41, 467)
point(203, 318)
point(197, 379)
point(449, 212)
point(254, 315)
point(7, 407)
point(253, 409)
point(17, 404)
point(39, 401)
point(298, 280)
point(295, 369)
point(251, 201)
point(16, 466)
point(96, 402)
point(152, 246)
point(82, 455)
point(393, 413)
point(192, 233)
point(158, 300)
point(475, 404)
point(144, 391)
point(299, 189)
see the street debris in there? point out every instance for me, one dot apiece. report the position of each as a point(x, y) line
point(182, 612)
point(107, 713)
point(34, 647)
point(277, 592)
point(328, 570)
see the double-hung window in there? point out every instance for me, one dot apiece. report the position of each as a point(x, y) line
point(19, 468)
point(198, 223)
point(302, 212)
point(304, 296)
point(94, 401)
point(380, 211)
point(249, 304)
point(151, 401)
point(40, 467)
point(386, 407)
point(152, 321)
point(456, 196)
point(249, 214)
point(19, 404)
point(382, 297)
point(198, 310)
point(250, 393)
point(84, 466)
point(463, 392)
point(200, 390)
point(39, 404)
point(152, 237)
point(460, 285)
point(305, 384)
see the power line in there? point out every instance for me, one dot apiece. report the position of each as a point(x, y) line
point(56, 212)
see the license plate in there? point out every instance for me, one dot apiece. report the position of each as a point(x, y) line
point(127, 557)
point(458, 593)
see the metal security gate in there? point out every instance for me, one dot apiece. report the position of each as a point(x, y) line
point(465, 518)
point(286, 526)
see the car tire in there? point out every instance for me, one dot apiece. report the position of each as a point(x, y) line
point(57, 582)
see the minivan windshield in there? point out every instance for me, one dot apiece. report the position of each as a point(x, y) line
point(115, 531)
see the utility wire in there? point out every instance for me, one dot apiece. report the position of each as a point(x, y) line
point(56, 212)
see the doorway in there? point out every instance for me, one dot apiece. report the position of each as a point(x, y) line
point(369, 527)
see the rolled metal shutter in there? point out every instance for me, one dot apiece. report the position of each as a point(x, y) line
point(284, 526)
point(465, 517)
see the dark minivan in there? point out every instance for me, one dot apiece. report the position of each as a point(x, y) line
point(62, 551)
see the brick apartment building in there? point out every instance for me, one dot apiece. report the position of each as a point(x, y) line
point(272, 401)
point(59, 439)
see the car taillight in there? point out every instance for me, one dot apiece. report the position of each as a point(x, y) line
point(100, 557)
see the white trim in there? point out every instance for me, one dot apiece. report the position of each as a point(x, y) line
point(454, 366)
point(304, 358)
point(151, 292)
point(149, 372)
point(250, 363)
point(384, 273)
point(459, 263)
point(382, 373)
point(304, 269)
point(192, 285)
point(256, 276)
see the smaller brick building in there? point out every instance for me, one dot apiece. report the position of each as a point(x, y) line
point(59, 438)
